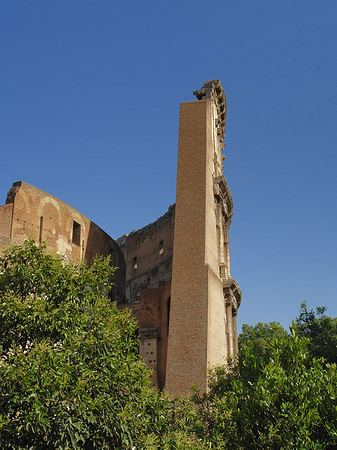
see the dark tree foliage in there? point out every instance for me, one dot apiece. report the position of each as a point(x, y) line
point(260, 336)
point(71, 376)
point(287, 402)
point(255, 343)
point(320, 329)
point(70, 373)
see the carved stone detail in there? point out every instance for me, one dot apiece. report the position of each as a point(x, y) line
point(232, 294)
point(212, 89)
point(223, 196)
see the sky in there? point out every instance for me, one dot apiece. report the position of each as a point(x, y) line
point(89, 110)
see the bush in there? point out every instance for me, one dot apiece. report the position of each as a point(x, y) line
point(285, 402)
point(70, 374)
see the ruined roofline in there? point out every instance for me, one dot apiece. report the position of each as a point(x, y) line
point(18, 184)
point(213, 90)
point(153, 225)
point(13, 190)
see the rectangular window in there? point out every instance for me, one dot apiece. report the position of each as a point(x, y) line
point(76, 233)
point(41, 228)
point(135, 264)
point(161, 248)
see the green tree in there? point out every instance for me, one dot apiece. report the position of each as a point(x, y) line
point(255, 344)
point(285, 402)
point(70, 374)
point(260, 335)
point(320, 329)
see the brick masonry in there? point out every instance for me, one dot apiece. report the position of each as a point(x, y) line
point(174, 274)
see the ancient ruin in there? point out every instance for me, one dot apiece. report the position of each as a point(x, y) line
point(174, 273)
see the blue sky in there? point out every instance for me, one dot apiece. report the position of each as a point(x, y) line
point(90, 94)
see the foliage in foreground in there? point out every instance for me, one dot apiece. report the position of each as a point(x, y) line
point(70, 373)
point(71, 377)
point(313, 324)
point(320, 329)
point(286, 402)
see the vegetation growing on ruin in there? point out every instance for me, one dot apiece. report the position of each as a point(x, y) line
point(71, 376)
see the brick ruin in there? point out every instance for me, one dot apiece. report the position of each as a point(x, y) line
point(174, 274)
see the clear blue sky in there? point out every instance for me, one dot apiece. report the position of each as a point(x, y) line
point(89, 103)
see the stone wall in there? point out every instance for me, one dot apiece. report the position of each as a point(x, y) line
point(148, 257)
point(6, 212)
point(30, 213)
point(203, 302)
point(174, 274)
point(152, 313)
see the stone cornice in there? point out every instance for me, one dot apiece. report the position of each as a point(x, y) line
point(212, 89)
point(232, 292)
point(224, 196)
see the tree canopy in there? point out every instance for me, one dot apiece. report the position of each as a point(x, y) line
point(70, 374)
point(320, 329)
point(287, 401)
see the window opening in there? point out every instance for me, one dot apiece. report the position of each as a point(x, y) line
point(76, 233)
point(40, 231)
point(161, 248)
point(135, 263)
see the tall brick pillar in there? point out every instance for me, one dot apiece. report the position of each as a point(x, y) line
point(202, 287)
